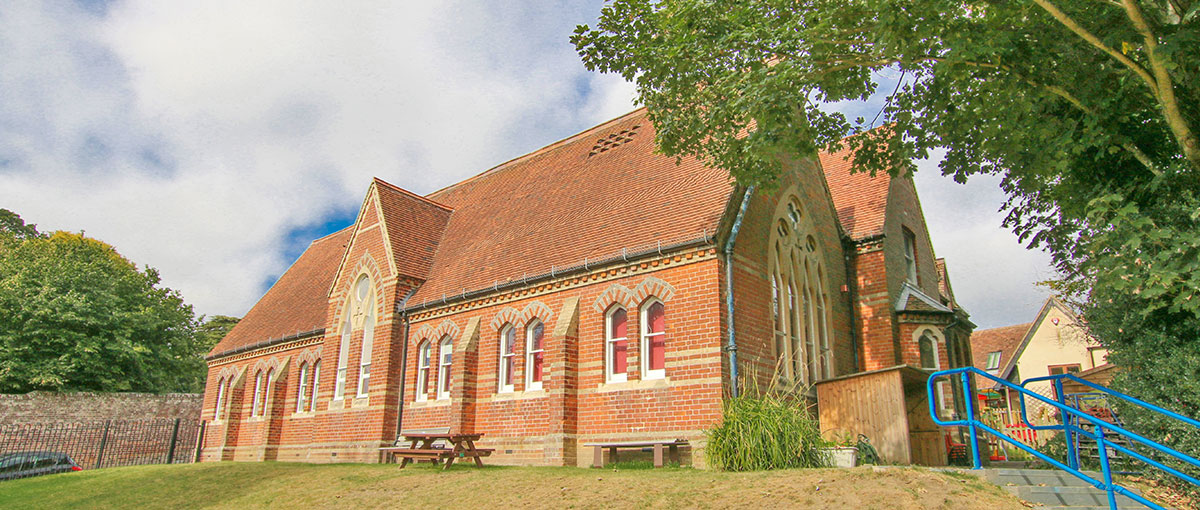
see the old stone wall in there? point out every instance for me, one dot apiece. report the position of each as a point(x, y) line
point(44, 406)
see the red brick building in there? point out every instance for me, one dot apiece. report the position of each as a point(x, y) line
point(579, 293)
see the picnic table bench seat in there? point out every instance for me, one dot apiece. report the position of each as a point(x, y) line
point(657, 444)
point(463, 447)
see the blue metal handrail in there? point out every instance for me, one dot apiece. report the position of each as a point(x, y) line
point(1099, 427)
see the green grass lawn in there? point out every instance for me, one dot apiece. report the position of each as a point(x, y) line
point(288, 485)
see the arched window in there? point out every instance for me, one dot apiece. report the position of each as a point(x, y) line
point(302, 388)
point(508, 358)
point(799, 299)
point(423, 355)
point(654, 340)
point(316, 380)
point(445, 350)
point(616, 344)
point(927, 347)
point(220, 399)
point(339, 382)
point(266, 391)
point(258, 384)
point(534, 355)
point(365, 304)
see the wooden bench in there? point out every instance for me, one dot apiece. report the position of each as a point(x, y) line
point(672, 444)
point(463, 447)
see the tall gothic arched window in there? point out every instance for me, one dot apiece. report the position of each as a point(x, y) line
point(799, 299)
point(359, 314)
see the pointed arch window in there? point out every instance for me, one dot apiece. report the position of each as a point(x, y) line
point(654, 340)
point(616, 345)
point(316, 380)
point(445, 353)
point(799, 298)
point(927, 348)
point(424, 351)
point(258, 384)
point(302, 388)
point(535, 355)
point(508, 358)
point(266, 391)
point(220, 399)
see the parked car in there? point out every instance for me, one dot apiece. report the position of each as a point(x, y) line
point(27, 464)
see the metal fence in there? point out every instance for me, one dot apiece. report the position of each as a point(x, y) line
point(108, 443)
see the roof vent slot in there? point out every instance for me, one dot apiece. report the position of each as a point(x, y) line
point(614, 140)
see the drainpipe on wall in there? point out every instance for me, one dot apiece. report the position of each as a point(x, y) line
point(852, 297)
point(403, 370)
point(403, 361)
point(731, 346)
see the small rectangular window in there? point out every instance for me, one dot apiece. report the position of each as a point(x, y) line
point(993, 360)
point(1070, 368)
point(910, 256)
point(534, 356)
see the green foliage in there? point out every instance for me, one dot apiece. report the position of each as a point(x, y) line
point(212, 329)
point(77, 316)
point(1170, 378)
point(1082, 108)
point(13, 227)
point(767, 431)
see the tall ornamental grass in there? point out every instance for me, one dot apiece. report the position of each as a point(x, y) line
point(765, 431)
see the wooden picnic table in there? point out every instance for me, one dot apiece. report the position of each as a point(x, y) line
point(462, 446)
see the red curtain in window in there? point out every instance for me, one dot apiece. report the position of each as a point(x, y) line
point(656, 323)
point(536, 348)
point(620, 348)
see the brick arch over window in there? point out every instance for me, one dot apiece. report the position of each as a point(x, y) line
point(653, 287)
point(272, 363)
point(227, 373)
point(615, 294)
point(310, 356)
point(536, 309)
point(446, 327)
point(506, 315)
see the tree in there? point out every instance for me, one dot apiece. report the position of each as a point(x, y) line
point(1088, 110)
point(76, 315)
point(13, 227)
point(213, 329)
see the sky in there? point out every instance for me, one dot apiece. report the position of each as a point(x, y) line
point(215, 140)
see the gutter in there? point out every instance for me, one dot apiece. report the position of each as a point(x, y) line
point(265, 343)
point(731, 346)
point(625, 257)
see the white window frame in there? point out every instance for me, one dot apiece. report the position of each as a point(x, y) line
point(444, 373)
point(643, 331)
point(339, 383)
point(366, 306)
point(530, 384)
point(220, 399)
point(609, 343)
point(302, 387)
point(258, 380)
point(424, 352)
point(316, 381)
point(507, 364)
point(799, 298)
point(993, 360)
point(267, 390)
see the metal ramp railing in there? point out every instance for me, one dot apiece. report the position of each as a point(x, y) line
point(1073, 423)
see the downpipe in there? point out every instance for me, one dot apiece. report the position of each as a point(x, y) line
point(731, 345)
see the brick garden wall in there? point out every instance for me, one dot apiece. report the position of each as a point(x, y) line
point(43, 406)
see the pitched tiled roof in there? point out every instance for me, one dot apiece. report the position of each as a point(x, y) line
point(578, 198)
point(1006, 340)
point(414, 226)
point(860, 200)
point(298, 301)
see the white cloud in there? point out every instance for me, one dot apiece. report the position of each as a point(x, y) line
point(992, 274)
point(193, 137)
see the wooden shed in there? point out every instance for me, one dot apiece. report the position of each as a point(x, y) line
point(889, 406)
